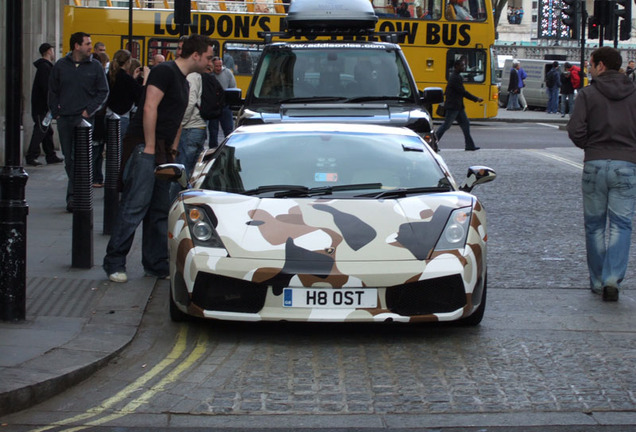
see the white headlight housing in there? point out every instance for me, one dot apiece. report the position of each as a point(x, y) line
point(456, 230)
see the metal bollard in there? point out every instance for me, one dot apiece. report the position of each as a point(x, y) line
point(82, 254)
point(113, 161)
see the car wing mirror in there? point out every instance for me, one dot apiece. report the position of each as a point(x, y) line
point(432, 95)
point(234, 98)
point(477, 175)
point(173, 172)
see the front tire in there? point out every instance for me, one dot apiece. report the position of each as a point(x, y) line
point(478, 315)
point(176, 315)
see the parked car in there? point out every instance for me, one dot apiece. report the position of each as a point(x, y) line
point(326, 222)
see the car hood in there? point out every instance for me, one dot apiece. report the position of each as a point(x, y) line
point(388, 114)
point(308, 229)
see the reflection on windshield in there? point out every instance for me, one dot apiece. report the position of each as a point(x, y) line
point(335, 163)
point(349, 73)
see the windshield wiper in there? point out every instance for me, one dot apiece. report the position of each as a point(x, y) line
point(276, 188)
point(326, 190)
point(314, 99)
point(379, 98)
point(402, 192)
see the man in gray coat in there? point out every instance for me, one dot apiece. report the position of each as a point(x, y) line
point(602, 124)
point(77, 90)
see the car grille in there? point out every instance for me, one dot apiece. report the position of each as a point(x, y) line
point(425, 297)
point(219, 293)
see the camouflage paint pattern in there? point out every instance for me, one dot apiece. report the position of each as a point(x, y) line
point(328, 243)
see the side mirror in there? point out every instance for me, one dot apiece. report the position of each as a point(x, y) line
point(233, 98)
point(432, 95)
point(477, 175)
point(173, 172)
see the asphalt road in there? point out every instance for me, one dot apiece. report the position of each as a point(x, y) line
point(548, 356)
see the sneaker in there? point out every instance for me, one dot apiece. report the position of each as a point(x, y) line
point(525, 108)
point(472, 148)
point(119, 277)
point(54, 160)
point(610, 293)
point(34, 163)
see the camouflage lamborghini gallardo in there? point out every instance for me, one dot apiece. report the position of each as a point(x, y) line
point(326, 222)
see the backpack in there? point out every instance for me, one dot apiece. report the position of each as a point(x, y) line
point(212, 97)
point(550, 79)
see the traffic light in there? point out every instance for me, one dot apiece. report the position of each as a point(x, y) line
point(610, 17)
point(570, 16)
point(593, 28)
point(624, 11)
point(182, 12)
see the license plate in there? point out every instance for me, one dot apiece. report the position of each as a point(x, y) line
point(330, 298)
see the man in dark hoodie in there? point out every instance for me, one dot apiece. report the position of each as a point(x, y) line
point(39, 93)
point(602, 124)
point(77, 90)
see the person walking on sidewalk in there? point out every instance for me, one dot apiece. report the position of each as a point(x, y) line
point(602, 124)
point(42, 134)
point(552, 84)
point(77, 90)
point(522, 83)
point(227, 80)
point(567, 92)
point(513, 88)
point(152, 139)
point(454, 106)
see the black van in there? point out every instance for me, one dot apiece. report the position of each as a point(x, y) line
point(336, 80)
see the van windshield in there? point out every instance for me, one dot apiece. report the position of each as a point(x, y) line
point(319, 71)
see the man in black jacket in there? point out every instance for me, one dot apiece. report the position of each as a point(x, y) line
point(39, 93)
point(454, 105)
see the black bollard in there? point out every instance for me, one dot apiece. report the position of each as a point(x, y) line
point(113, 160)
point(13, 179)
point(82, 255)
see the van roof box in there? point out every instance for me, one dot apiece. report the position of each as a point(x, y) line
point(331, 14)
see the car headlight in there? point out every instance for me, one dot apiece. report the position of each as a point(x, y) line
point(201, 222)
point(456, 230)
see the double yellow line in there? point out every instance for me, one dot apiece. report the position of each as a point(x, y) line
point(97, 413)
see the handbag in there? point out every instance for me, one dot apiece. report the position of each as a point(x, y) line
point(440, 110)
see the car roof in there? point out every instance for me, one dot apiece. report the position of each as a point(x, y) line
point(325, 128)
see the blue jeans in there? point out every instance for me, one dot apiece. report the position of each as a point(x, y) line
point(567, 100)
point(144, 199)
point(190, 147)
point(513, 101)
point(609, 192)
point(553, 100)
point(227, 124)
point(462, 121)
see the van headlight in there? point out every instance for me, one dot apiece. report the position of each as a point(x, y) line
point(456, 230)
point(202, 222)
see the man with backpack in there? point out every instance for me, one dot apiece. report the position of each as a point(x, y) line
point(226, 78)
point(552, 84)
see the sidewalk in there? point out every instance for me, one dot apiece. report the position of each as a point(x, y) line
point(76, 319)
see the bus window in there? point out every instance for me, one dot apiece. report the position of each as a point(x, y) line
point(466, 10)
point(476, 64)
point(242, 57)
point(428, 9)
point(167, 48)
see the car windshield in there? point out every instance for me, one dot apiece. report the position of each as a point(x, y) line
point(283, 164)
point(300, 73)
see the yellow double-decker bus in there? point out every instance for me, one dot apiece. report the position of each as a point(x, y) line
point(435, 33)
